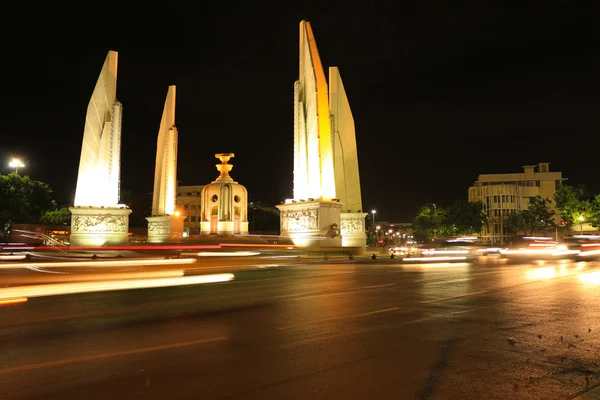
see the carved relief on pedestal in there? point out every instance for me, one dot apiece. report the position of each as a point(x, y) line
point(298, 221)
point(352, 226)
point(159, 228)
point(99, 224)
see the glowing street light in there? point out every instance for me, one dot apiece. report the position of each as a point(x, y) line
point(373, 212)
point(581, 218)
point(16, 164)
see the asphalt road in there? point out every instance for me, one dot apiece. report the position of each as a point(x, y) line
point(368, 330)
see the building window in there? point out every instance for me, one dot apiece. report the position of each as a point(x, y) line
point(537, 183)
point(236, 198)
point(214, 198)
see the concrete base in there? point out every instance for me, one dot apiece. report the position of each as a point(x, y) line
point(98, 226)
point(353, 230)
point(164, 228)
point(311, 223)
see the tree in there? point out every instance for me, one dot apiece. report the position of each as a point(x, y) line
point(538, 215)
point(429, 221)
point(460, 218)
point(594, 212)
point(570, 203)
point(58, 216)
point(22, 199)
point(514, 223)
point(465, 218)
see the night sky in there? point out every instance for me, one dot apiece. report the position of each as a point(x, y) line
point(440, 92)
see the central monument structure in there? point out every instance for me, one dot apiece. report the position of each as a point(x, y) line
point(326, 210)
point(165, 223)
point(97, 217)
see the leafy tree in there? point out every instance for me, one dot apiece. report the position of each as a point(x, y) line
point(22, 199)
point(460, 218)
point(58, 216)
point(538, 215)
point(594, 212)
point(514, 223)
point(570, 203)
point(429, 221)
point(465, 218)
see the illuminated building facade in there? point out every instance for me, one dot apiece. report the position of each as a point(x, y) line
point(97, 217)
point(165, 223)
point(505, 194)
point(327, 207)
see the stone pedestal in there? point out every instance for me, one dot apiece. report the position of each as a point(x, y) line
point(311, 223)
point(353, 230)
point(164, 228)
point(98, 226)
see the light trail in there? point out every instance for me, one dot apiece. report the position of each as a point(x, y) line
point(152, 247)
point(98, 263)
point(12, 293)
point(223, 254)
point(12, 256)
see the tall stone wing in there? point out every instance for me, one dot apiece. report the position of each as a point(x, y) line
point(94, 186)
point(347, 179)
point(165, 172)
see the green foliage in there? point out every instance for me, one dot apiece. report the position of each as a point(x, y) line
point(460, 218)
point(428, 222)
point(538, 215)
point(22, 199)
point(465, 218)
point(594, 212)
point(514, 223)
point(59, 216)
point(572, 205)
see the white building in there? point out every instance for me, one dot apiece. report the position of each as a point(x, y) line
point(504, 194)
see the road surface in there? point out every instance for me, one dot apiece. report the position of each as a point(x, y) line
point(368, 330)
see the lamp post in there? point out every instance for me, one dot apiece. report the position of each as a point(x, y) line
point(253, 209)
point(581, 218)
point(373, 212)
point(16, 164)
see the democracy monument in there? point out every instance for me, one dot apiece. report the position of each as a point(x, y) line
point(165, 223)
point(97, 218)
point(326, 208)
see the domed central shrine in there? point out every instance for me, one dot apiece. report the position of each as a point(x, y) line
point(224, 203)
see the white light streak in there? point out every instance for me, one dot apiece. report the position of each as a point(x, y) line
point(108, 263)
point(103, 286)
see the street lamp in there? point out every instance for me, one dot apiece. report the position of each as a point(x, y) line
point(373, 212)
point(581, 218)
point(16, 164)
point(253, 209)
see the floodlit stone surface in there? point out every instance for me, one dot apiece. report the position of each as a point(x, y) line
point(99, 165)
point(165, 224)
point(97, 217)
point(325, 153)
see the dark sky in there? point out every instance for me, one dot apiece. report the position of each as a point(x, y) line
point(440, 91)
